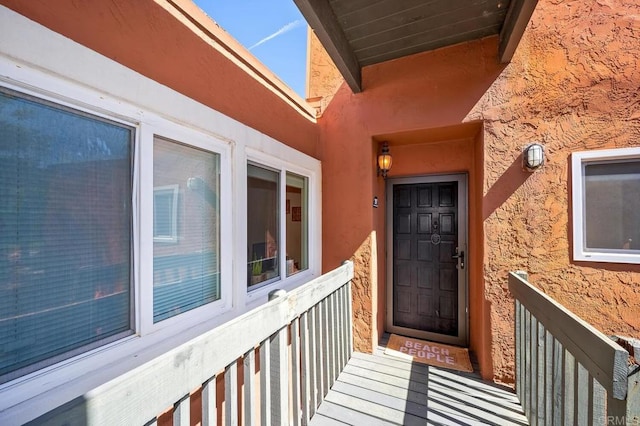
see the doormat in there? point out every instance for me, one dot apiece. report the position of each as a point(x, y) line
point(430, 353)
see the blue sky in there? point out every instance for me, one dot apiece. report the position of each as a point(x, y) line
point(273, 30)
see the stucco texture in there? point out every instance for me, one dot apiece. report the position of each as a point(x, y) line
point(573, 85)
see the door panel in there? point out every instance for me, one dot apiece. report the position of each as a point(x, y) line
point(428, 283)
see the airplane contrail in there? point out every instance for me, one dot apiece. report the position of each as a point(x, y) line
point(286, 28)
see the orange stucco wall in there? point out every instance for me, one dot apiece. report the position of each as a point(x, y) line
point(146, 37)
point(573, 85)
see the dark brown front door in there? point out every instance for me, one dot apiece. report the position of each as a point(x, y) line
point(427, 260)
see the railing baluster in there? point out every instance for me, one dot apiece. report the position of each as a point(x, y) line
point(343, 332)
point(599, 405)
point(339, 331)
point(569, 387)
point(313, 366)
point(542, 374)
point(333, 331)
point(549, 376)
point(279, 378)
point(249, 394)
point(558, 382)
point(590, 399)
point(523, 346)
point(231, 394)
point(296, 377)
point(320, 364)
point(305, 369)
point(326, 348)
point(339, 325)
point(518, 350)
point(526, 397)
point(582, 394)
point(265, 383)
point(181, 412)
point(533, 387)
point(350, 319)
point(209, 407)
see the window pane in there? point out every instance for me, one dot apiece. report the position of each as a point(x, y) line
point(297, 224)
point(262, 224)
point(612, 205)
point(65, 232)
point(186, 269)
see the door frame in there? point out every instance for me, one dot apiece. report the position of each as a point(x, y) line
point(462, 339)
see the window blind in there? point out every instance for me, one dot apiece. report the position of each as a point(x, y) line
point(65, 232)
point(186, 266)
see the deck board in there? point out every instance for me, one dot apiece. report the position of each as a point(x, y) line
point(377, 389)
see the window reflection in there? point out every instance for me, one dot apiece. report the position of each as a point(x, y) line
point(262, 225)
point(297, 224)
point(612, 205)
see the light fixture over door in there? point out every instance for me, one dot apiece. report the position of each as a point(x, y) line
point(384, 161)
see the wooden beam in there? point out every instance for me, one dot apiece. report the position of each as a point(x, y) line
point(324, 23)
point(515, 23)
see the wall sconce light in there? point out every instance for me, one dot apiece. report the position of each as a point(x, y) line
point(533, 157)
point(384, 161)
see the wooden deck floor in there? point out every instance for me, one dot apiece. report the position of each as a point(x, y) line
point(383, 390)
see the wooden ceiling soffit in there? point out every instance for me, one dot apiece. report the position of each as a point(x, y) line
point(515, 23)
point(322, 20)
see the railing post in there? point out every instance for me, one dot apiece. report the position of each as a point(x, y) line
point(275, 294)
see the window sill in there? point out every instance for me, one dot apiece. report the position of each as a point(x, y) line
point(601, 257)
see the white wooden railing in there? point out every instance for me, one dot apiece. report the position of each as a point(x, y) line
point(567, 372)
point(271, 366)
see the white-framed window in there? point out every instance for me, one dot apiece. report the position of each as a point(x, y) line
point(186, 273)
point(263, 225)
point(65, 232)
point(267, 212)
point(283, 232)
point(606, 205)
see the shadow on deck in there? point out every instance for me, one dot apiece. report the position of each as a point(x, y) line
point(380, 389)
